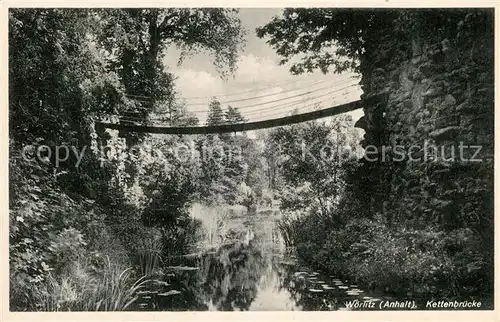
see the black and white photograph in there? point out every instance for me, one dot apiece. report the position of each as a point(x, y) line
point(250, 159)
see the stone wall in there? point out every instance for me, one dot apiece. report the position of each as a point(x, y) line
point(437, 91)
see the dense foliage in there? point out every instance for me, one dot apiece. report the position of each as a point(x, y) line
point(431, 249)
point(339, 39)
point(84, 230)
point(117, 210)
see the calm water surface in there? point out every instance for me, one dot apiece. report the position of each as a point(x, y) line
point(254, 276)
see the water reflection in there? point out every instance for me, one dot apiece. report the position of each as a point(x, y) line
point(230, 277)
point(247, 276)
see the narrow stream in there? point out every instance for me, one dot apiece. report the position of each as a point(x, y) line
point(248, 275)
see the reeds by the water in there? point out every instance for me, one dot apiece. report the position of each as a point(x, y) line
point(112, 289)
point(212, 225)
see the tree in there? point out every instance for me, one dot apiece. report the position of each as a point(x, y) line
point(215, 113)
point(233, 115)
point(311, 162)
point(59, 84)
point(175, 114)
point(67, 69)
point(340, 39)
point(138, 39)
point(234, 156)
point(65, 84)
point(326, 36)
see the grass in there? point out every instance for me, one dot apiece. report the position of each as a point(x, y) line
point(418, 263)
point(147, 255)
point(287, 226)
point(113, 289)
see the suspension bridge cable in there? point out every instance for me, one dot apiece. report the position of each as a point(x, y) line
point(249, 126)
point(149, 98)
point(267, 95)
point(257, 97)
point(283, 113)
point(157, 120)
point(261, 117)
point(296, 104)
point(257, 89)
point(254, 90)
point(300, 107)
point(241, 107)
point(261, 111)
point(250, 98)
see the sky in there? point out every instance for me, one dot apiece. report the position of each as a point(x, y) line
point(260, 88)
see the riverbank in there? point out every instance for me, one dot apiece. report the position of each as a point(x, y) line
point(396, 263)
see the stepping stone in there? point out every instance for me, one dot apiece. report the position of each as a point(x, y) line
point(161, 283)
point(299, 273)
point(182, 268)
point(327, 287)
point(342, 287)
point(169, 293)
point(192, 255)
point(315, 290)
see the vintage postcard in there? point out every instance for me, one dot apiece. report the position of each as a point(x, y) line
point(308, 161)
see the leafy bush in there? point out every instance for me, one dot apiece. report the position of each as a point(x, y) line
point(421, 264)
point(59, 246)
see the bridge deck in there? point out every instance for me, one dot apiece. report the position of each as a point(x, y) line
point(230, 128)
